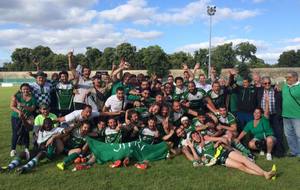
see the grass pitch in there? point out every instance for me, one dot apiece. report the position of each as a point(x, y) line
point(177, 173)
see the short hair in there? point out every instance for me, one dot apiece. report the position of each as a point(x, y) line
point(201, 74)
point(293, 73)
point(159, 94)
point(266, 78)
point(215, 82)
point(132, 112)
point(63, 73)
point(87, 106)
point(178, 78)
point(25, 84)
point(85, 67)
point(120, 89)
point(152, 117)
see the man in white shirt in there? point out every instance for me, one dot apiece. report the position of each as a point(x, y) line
point(115, 104)
point(79, 115)
point(83, 83)
point(202, 83)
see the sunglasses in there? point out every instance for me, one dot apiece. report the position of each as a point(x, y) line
point(267, 83)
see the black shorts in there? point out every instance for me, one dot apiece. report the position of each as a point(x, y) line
point(223, 157)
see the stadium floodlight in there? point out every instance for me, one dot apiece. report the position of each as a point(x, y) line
point(211, 10)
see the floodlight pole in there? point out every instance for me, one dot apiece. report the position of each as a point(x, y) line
point(211, 10)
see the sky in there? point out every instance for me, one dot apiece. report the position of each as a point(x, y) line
point(175, 25)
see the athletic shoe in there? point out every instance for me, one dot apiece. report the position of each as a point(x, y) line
point(27, 153)
point(126, 162)
point(211, 162)
point(269, 156)
point(116, 164)
point(142, 166)
point(262, 153)
point(60, 166)
point(4, 169)
point(251, 157)
point(13, 153)
point(197, 163)
point(274, 169)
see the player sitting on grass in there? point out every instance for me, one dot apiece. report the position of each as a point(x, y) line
point(49, 144)
point(205, 147)
point(76, 145)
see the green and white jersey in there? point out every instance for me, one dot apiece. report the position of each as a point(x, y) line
point(64, 94)
point(218, 99)
point(178, 93)
point(76, 140)
point(194, 124)
point(228, 120)
point(112, 135)
point(147, 135)
point(207, 150)
point(195, 99)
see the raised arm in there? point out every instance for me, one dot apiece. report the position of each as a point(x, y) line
point(191, 74)
point(71, 65)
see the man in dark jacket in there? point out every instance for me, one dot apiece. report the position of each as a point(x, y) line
point(246, 100)
point(275, 109)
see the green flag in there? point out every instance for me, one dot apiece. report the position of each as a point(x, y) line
point(135, 150)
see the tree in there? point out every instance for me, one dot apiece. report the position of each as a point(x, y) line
point(289, 59)
point(223, 56)
point(201, 56)
point(44, 56)
point(127, 52)
point(156, 61)
point(59, 62)
point(80, 59)
point(256, 62)
point(22, 59)
point(178, 58)
point(139, 59)
point(108, 58)
point(246, 51)
point(93, 56)
point(244, 70)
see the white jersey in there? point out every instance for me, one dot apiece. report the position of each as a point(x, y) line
point(43, 136)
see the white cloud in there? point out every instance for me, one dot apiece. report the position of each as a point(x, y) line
point(227, 13)
point(137, 34)
point(269, 57)
point(292, 47)
point(97, 35)
point(139, 12)
point(48, 13)
point(135, 10)
point(293, 40)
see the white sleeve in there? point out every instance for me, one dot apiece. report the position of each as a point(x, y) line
point(108, 102)
point(72, 116)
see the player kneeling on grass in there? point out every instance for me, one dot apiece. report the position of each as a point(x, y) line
point(204, 148)
point(49, 144)
point(76, 145)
